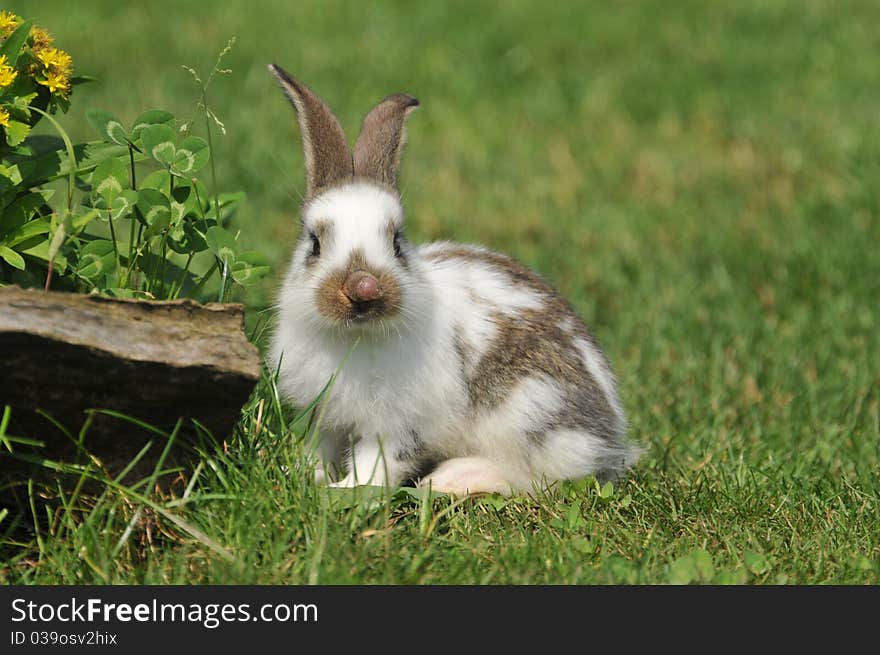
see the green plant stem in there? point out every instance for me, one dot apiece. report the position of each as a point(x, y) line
point(199, 203)
point(211, 151)
point(153, 278)
point(164, 259)
point(113, 239)
point(134, 220)
point(206, 276)
point(148, 281)
point(223, 275)
point(71, 184)
point(71, 155)
point(139, 245)
point(180, 282)
point(162, 262)
point(131, 165)
point(217, 262)
point(130, 252)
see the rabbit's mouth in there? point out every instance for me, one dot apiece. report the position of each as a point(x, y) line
point(364, 311)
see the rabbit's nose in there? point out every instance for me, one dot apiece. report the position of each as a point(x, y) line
point(362, 287)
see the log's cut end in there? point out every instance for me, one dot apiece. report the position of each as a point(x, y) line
point(156, 361)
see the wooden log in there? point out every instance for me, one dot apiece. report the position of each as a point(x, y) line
point(156, 361)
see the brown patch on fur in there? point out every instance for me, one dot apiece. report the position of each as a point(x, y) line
point(379, 147)
point(333, 303)
point(328, 158)
point(531, 343)
point(519, 274)
point(462, 350)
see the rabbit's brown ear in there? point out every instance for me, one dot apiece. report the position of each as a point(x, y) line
point(328, 158)
point(379, 147)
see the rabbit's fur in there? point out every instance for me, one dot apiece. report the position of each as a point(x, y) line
point(455, 365)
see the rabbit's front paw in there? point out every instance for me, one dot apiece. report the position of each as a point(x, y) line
point(468, 475)
point(347, 482)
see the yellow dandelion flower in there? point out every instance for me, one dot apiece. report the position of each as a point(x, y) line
point(62, 62)
point(46, 56)
point(4, 117)
point(56, 82)
point(53, 58)
point(7, 73)
point(8, 23)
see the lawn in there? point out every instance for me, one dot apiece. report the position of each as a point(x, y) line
point(702, 180)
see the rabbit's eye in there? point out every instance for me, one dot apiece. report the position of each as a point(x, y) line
point(397, 251)
point(316, 245)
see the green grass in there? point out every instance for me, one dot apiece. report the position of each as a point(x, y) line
point(700, 179)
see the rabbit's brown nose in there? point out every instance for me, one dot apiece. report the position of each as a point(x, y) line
point(362, 287)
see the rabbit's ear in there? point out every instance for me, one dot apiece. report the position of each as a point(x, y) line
point(328, 158)
point(379, 147)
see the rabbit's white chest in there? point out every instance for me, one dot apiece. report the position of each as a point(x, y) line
point(387, 389)
point(393, 393)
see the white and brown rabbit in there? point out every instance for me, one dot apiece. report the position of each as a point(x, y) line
point(466, 370)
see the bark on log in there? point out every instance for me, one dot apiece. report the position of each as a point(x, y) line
point(156, 361)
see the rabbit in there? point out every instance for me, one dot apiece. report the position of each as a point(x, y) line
point(455, 366)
